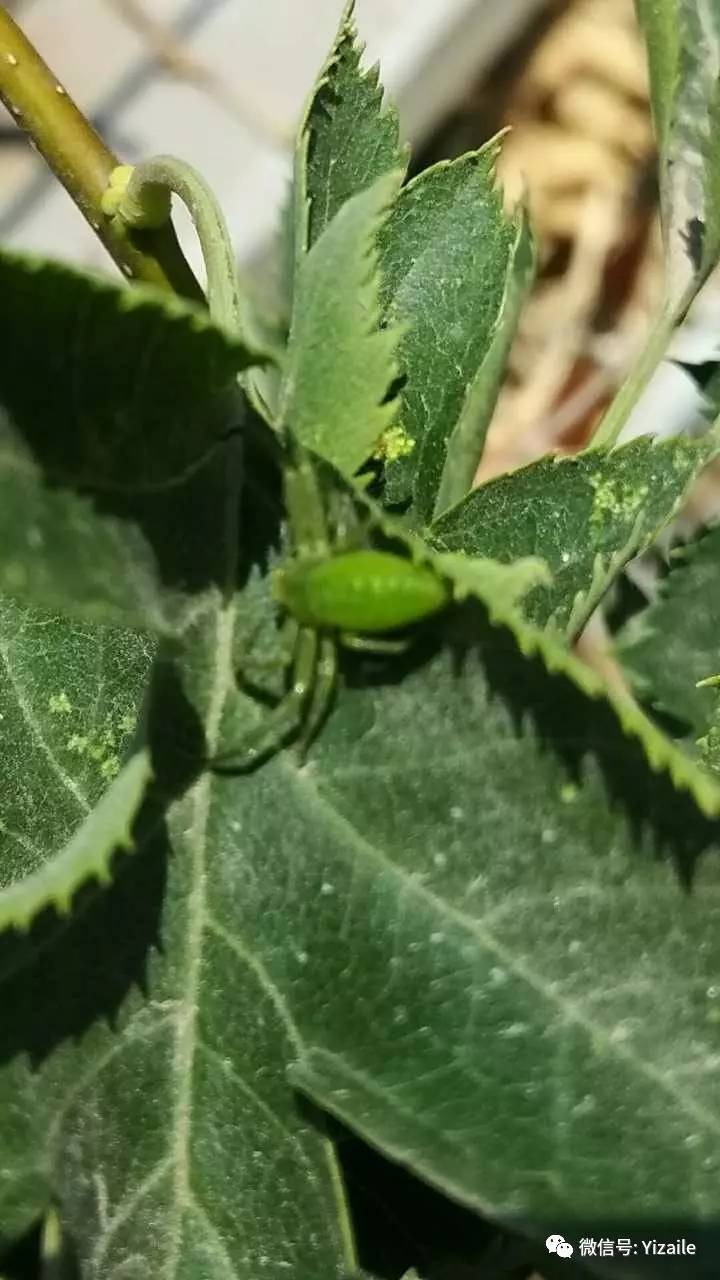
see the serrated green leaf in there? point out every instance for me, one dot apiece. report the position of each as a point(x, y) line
point(501, 589)
point(104, 456)
point(340, 363)
point(675, 642)
point(384, 969)
point(87, 855)
point(506, 971)
point(154, 1107)
point(347, 140)
point(683, 39)
point(112, 388)
point(448, 255)
point(661, 753)
point(503, 584)
point(69, 699)
point(429, 971)
point(220, 984)
point(59, 553)
point(585, 516)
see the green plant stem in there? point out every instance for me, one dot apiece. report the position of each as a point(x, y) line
point(147, 181)
point(635, 383)
point(82, 162)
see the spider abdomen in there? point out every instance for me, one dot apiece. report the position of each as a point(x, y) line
point(361, 591)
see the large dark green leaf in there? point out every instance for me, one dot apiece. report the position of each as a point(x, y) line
point(115, 389)
point(425, 953)
point(101, 450)
point(156, 1109)
point(585, 516)
point(108, 1104)
point(106, 829)
point(449, 255)
point(69, 705)
point(467, 972)
point(675, 642)
point(57, 552)
point(488, 962)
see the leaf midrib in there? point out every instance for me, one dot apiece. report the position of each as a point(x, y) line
point(186, 1041)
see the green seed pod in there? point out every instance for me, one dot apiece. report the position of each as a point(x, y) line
point(361, 591)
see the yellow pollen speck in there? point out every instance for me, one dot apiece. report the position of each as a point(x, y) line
point(393, 444)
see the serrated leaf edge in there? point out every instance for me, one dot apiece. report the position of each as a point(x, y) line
point(87, 855)
point(140, 297)
point(386, 411)
point(605, 570)
point(641, 628)
point(346, 33)
point(485, 156)
point(661, 753)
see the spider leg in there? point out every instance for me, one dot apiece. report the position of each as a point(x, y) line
point(267, 663)
point(273, 731)
point(321, 697)
point(373, 644)
point(305, 509)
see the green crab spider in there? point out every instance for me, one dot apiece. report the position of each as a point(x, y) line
point(346, 598)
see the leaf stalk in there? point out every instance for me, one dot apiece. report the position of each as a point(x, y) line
point(82, 162)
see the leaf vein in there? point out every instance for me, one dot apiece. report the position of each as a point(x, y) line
point(259, 1102)
point(263, 977)
point(31, 721)
point(133, 1032)
point(569, 1010)
point(126, 1209)
point(186, 1033)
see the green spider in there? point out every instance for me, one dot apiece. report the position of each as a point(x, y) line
point(328, 597)
point(348, 597)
